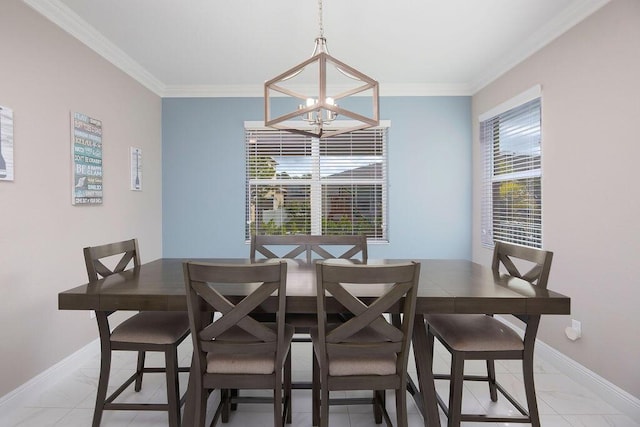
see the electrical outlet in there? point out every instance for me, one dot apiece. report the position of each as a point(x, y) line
point(577, 325)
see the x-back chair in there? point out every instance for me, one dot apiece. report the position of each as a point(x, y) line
point(365, 352)
point(235, 351)
point(144, 331)
point(483, 337)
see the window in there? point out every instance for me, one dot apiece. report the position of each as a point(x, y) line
point(512, 193)
point(302, 185)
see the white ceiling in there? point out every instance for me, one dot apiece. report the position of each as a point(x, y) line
point(231, 47)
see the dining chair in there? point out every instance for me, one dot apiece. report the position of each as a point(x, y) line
point(235, 351)
point(142, 332)
point(483, 337)
point(366, 352)
point(294, 246)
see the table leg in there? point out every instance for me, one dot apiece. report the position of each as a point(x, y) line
point(426, 397)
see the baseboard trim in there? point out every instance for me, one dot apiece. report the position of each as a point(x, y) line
point(609, 392)
point(17, 398)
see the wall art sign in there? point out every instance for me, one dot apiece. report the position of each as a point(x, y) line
point(86, 151)
point(6, 144)
point(136, 168)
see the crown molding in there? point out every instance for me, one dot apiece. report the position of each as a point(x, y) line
point(572, 15)
point(425, 89)
point(69, 21)
point(214, 91)
point(254, 91)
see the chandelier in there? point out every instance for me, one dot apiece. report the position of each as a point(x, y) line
point(340, 92)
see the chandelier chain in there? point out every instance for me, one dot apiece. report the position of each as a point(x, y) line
point(320, 18)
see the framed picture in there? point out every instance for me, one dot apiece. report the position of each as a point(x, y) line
point(6, 144)
point(136, 168)
point(86, 153)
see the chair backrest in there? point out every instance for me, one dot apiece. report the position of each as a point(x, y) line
point(324, 247)
point(94, 256)
point(349, 284)
point(202, 281)
point(537, 262)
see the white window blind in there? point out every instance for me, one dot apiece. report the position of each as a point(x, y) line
point(512, 193)
point(302, 185)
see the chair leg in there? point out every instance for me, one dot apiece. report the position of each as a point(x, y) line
point(225, 401)
point(234, 393)
point(173, 389)
point(324, 404)
point(401, 405)
point(430, 343)
point(139, 371)
point(491, 374)
point(277, 407)
point(396, 320)
point(103, 383)
point(530, 390)
point(200, 403)
point(423, 345)
point(378, 400)
point(455, 390)
point(287, 388)
point(315, 393)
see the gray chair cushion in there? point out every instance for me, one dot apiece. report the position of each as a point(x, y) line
point(152, 327)
point(370, 365)
point(245, 363)
point(474, 332)
point(373, 365)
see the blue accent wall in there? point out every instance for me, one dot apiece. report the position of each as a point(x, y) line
point(430, 174)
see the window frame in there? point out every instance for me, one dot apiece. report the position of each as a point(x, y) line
point(319, 185)
point(528, 173)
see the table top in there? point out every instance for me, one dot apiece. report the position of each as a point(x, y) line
point(446, 286)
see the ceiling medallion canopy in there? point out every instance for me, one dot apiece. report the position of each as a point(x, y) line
point(343, 99)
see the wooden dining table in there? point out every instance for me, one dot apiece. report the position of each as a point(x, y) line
point(446, 286)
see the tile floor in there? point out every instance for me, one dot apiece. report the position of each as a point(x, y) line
point(69, 402)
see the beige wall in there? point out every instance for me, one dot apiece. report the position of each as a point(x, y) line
point(44, 75)
point(591, 199)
